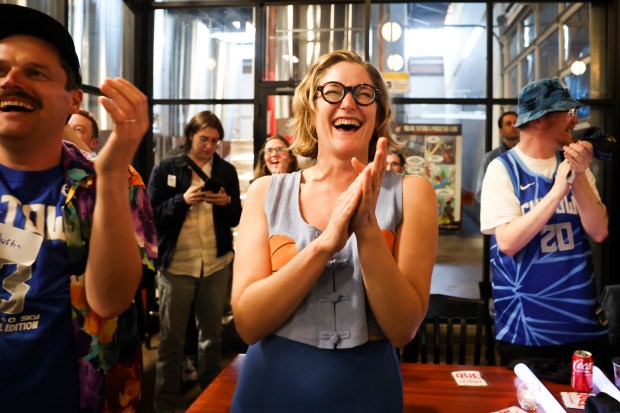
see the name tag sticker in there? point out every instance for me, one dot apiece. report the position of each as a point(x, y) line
point(172, 181)
point(19, 246)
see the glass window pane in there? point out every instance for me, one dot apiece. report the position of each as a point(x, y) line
point(205, 53)
point(548, 13)
point(576, 35)
point(52, 8)
point(528, 30)
point(528, 69)
point(103, 32)
point(297, 35)
point(435, 49)
point(513, 46)
point(514, 82)
point(549, 48)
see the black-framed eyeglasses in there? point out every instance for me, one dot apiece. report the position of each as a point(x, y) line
point(363, 94)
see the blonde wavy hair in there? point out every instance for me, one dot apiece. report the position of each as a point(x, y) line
point(303, 126)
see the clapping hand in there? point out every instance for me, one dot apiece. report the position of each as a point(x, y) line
point(371, 177)
point(579, 156)
point(127, 106)
point(355, 208)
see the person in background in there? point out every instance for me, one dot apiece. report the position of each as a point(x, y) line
point(86, 128)
point(275, 157)
point(70, 136)
point(395, 162)
point(510, 137)
point(195, 243)
point(81, 231)
point(337, 258)
point(540, 204)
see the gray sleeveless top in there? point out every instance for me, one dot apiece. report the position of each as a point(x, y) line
point(335, 313)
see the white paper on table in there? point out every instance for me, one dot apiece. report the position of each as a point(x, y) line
point(511, 409)
point(543, 396)
point(469, 378)
point(575, 400)
point(601, 383)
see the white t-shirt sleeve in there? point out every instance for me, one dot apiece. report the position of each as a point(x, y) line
point(498, 202)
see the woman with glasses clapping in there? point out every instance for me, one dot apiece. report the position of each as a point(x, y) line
point(335, 260)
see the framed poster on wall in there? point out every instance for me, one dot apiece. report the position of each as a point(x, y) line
point(434, 152)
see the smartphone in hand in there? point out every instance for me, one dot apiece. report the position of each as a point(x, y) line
point(212, 185)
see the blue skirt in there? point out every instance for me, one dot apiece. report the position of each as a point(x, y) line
point(281, 375)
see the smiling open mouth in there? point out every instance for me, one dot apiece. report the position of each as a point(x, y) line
point(15, 106)
point(347, 125)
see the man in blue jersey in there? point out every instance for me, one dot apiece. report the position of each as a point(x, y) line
point(539, 204)
point(73, 234)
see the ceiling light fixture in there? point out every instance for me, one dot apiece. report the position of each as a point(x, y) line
point(395, 62)
point(391, 31)
point(578, 67)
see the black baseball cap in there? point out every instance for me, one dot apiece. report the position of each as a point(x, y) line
point(23, 20)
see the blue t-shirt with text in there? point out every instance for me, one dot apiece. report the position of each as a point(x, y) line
point(37, 347)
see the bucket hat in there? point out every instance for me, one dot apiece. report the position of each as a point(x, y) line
point(23, 20)
point(543, 96)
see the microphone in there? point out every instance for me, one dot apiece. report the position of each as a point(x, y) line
point(603, 143)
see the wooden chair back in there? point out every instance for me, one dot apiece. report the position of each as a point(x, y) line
point(445, 330)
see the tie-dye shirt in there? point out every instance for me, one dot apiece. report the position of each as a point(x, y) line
point(109, 351)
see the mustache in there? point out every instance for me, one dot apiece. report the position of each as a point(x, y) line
point(7, 94)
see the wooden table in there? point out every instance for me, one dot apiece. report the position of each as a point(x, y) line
point(428, 388)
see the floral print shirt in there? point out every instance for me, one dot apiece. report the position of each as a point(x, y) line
point(108, 350)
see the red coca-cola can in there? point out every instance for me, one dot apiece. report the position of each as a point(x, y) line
point(581, 378)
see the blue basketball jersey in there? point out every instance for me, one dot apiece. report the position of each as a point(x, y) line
point(37, 346)
point(544, 294)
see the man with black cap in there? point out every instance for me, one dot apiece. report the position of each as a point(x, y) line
point(539, 204)
point(69, 265)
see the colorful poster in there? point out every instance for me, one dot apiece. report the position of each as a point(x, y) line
point(434, 152)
